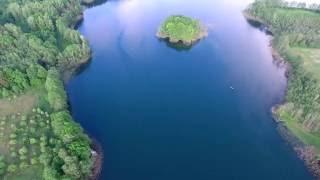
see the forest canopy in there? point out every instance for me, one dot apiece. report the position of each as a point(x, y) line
point(38, 45)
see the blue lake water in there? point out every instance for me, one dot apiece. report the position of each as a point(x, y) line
point(164, 114)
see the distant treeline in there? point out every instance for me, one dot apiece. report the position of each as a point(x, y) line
point(294, 4)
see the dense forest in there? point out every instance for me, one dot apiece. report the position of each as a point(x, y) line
point(296, 37)
point(39, 139)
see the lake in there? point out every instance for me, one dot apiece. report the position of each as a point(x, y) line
point(162, 113)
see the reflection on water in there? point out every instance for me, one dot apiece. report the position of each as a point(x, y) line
point(177, 46)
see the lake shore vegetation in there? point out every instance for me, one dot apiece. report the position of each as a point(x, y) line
point(39, 139)
point(296, 37)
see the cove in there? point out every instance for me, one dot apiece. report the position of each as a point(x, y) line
point(165, 113)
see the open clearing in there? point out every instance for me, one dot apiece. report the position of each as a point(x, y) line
point(22, 104)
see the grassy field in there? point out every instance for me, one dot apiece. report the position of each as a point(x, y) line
point(293, 125)
point(295, 12)
point(22, 104)
point(311, 60)
point(30, 173)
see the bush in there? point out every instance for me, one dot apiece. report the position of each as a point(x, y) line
point(33, 141)
point(13, 154)
point(23, 165)
point(23, 150)
point(33, 161)
point(13, 142)
point(56, 94)
point(13, 136)
point(12, 168)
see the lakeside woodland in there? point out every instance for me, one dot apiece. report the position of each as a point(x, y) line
point(39, 139)
point(296, 37)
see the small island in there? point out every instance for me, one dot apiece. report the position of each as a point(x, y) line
point(182, 29)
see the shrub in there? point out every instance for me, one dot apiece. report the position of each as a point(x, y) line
point(33, 161)
point(23, 150)
point(23, 165)
point(33, 141)
point(13, 154)
point(12, 168)
point(13, 142)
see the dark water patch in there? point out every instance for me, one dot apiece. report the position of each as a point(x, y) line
point(177, 46)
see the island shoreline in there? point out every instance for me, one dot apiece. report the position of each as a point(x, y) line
point(169, 29)
point(202, 35)
point(305, 152)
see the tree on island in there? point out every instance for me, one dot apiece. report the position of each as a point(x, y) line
point(182, 29)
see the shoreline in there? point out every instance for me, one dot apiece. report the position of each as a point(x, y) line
point(305, 152)
point(182, 42)
point(98, 155)
point(68, 74)
point(203, 34)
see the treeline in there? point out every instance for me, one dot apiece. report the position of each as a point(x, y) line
point(291, 4)
point(38, 43)
point(70, 151)
point(300, 5)
point(301, 27)
point(295, 28)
